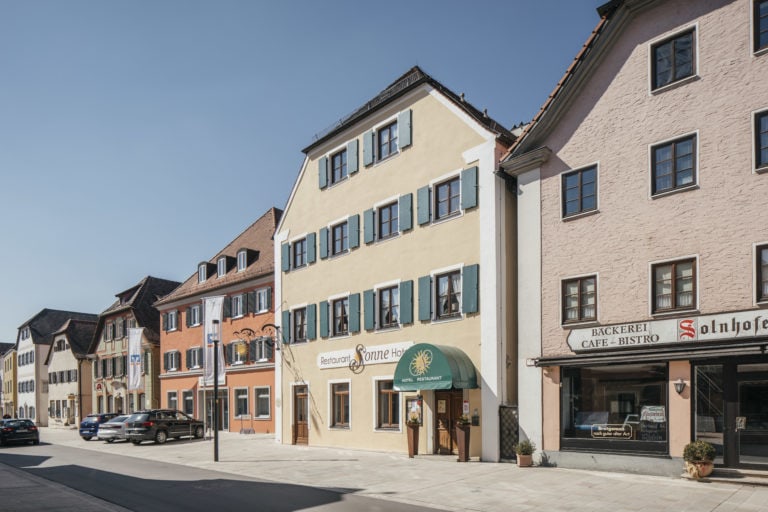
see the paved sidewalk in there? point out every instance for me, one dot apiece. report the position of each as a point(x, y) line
point(439, 481)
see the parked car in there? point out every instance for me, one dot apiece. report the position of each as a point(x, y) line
point(89, 427)
point(113, 429)
point(18, 431)
point(159, 424)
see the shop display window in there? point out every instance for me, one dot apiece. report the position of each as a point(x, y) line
point(615, 408)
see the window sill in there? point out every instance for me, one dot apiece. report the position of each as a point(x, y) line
point(760, 52)
point(338, 254)
point(235, 317)
point(340, 336)
point(761, 170)
point(448, 218)
point(339, 427)
point(674, 191)
point(389, 328)
point(448, 319)
point(388, 430)
point(580, 215)
point(580, 324)
point(334, 184)
point(385, 159)
point(675, 85)
point(676, 312)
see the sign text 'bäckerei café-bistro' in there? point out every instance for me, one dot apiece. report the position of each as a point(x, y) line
point(704, 328)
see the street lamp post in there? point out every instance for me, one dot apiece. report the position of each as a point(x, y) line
point(215, 334)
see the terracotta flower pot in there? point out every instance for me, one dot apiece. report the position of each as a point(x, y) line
point(462, 439)
point(699, 468)
point(524, 461)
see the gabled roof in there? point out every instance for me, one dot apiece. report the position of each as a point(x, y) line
point(138, 299)
point(409, 81)
point(5, 347)
point(257, 238)
point(612, 17)
point(44, 323)
point(79, 333)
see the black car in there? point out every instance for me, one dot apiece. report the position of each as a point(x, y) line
point(159, 424)
point(89, 427)
point(18, 431)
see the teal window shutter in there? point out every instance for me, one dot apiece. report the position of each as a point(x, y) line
point(312, 322)
point(369, 232)
point(405, 211)
point(353, 225)
point(354, 312)
point(406, 302)
point(404, 128)
point(368, 148)
point(369, 312)
point(422, 206)
point(352, 165)
point(469, 188)
point(469, 289)
point(285, 327)
point(425, 298)
point(286, 257)
point(311, 251)
point(323, 243)
point(322, 171)
point(324, 319)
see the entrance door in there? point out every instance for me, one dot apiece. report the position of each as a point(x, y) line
point(732, 412)
point(300, 415)
point(222, 411)
point(448, 409)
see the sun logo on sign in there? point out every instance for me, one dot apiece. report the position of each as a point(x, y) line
point(420, 363)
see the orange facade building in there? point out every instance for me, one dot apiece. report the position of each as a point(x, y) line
point(243, 273)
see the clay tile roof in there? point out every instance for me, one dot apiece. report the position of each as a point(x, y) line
point(257, 239)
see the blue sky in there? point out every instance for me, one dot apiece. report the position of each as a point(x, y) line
point(138, 138)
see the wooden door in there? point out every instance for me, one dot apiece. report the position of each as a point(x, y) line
point(448, 406)
point(300, 415)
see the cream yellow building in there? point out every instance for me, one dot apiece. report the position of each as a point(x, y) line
point(394, 277)
point(9, 382)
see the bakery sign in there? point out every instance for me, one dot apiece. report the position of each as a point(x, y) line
point(703, 328)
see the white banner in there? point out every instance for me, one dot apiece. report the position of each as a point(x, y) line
point(213, 311)
point(134, 359)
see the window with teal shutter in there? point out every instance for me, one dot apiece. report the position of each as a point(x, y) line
point(323, 243)
point(470, 289)
point(404, 128)
point(322, 171)
point(311, 251)
point(324, 319)
point(368, 227)
point(368, 138)
point(352, 160)
point(406, 302)
point(311, 322)
point(369, 312)
point(354, 231)
point(406, 212)
point(285, 250)
point(354, 312)
point(423, 206)
point(285, 327)
point(469, 188)
point(425, 298)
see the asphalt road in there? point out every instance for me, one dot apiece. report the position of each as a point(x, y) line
point(145, 485)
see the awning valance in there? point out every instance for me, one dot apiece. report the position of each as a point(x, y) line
point(427, 366)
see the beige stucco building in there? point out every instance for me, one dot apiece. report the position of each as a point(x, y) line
point(9, 382)
point(643, 242)
point(394, 251)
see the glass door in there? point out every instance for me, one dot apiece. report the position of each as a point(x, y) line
point(710, 407)
point(751, 422)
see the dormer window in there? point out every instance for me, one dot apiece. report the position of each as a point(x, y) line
point(221, 266)
point(242, 260)
point(202, 273)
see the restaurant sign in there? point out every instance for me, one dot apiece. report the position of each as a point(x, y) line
point(361, 356)
point(703, 328)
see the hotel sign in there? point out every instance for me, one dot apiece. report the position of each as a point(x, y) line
point(361, 356)
point(704, 328)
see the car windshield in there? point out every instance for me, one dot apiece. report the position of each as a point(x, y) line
point(137, 417)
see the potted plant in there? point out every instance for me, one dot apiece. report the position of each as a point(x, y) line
point(412, 424)
point(524, 450)
point(699, 458)
point(462, 437)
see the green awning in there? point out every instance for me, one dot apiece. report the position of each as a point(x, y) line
point(426, 366)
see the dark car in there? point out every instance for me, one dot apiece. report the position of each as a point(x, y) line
point(113, 429)
point(159, 424)
point(18, 431)
point(89, 427)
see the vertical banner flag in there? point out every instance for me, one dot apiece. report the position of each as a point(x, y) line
point(134, 359)
point(213, 311)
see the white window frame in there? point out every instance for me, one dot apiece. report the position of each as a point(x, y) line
point(755, 114)
point(375, 422)
point(455, 174)
point(236, 395)
point(173, 321)
point(175, 361)
point(187, 395)
point(434, 274)
point(175, 398)
point(262, 300)
point(581, 214)
point(697, 169)
point(238, 311)
point(376, 129)
point(331, 383)
point(651, 278)
point(752, 27)
point(256, 416)
point(221, 266)
point(292, 335)
point(331, 226)
point(673, 34)
point(376, 219)
point(196, 357)
point(561, 305)
point(330, 301)
point(242, 260)
point(195, 312)
point(237, 360)
point(377, 306)
point(202, 272)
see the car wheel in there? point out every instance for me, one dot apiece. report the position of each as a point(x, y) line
point(199, 433)
point(161, 437)
point(87, 438)
point(110, 440)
